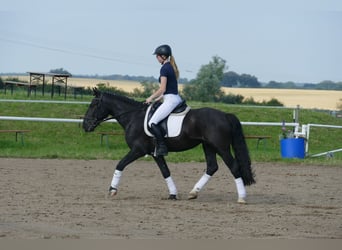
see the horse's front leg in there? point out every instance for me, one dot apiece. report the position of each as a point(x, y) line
point(167, 176)
point(130, 157)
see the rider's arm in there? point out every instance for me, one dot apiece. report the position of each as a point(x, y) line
point(158, 94)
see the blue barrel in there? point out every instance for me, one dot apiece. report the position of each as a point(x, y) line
point(292, 148)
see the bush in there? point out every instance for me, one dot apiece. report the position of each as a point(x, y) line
point(232, 99)
point(273, 102)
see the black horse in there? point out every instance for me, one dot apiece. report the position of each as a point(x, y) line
point(215, 130)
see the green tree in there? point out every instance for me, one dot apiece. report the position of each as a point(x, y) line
point(1, 83)
point(60, 71)
point(274, 84)
point(207, 85)
point(289, 85)
point(247, 80)
point(230, 79)
point(329, 85)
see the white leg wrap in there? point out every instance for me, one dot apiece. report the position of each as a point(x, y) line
point(171, 185)
point(116, 178)
point(201, 183)
point(240, 188)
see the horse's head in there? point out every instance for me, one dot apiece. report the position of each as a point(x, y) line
point(95, 114)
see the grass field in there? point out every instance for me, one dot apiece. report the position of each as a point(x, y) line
point(312, 99)
point(68, 140)
point(65, 140)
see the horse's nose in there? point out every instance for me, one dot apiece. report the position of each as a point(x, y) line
point(86, 126)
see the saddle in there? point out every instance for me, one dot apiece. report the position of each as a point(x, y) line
point(172, 124)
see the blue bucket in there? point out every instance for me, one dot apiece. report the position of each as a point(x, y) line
point(292, 148)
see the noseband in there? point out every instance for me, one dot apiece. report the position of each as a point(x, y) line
point(94, 122)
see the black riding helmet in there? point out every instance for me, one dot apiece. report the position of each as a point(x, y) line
point(164, 50)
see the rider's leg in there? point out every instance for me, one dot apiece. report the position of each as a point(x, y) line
point(170, 102)
point(159, 135)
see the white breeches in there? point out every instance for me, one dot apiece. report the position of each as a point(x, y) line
point(169, 103)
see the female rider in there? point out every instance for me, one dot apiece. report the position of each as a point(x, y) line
point(168, 90)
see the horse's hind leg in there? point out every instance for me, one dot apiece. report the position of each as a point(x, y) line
point(167, 176)
point(212, 167)
point(232, 164)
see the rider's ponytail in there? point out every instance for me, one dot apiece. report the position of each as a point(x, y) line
point(174, 66)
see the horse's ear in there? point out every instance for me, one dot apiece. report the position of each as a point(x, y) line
point(96, 92)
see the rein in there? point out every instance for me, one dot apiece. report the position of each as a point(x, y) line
point(122, 113)
point(127, 112)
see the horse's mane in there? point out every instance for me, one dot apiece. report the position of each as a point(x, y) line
point(124, 99)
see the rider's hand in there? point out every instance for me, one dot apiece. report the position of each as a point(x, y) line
point(149, 100)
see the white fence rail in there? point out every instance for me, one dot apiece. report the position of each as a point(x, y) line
point(308, 136)
point(306, 131)
point(43, 119)
point(44, 101)
point(289, 124)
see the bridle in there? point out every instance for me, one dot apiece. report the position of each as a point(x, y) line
point(97, 121)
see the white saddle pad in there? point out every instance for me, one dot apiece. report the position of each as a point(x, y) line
point(174, 123)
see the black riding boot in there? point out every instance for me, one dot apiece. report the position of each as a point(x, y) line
point(161, 148)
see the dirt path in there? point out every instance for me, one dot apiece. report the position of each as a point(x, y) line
point(67, 199)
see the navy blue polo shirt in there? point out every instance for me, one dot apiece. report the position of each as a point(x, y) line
point(171, 84)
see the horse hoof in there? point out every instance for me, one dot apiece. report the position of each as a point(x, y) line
point(241, 201)
point(172, 197)
point(192, 195)
point(112, 192)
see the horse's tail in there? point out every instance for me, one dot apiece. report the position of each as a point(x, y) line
point(241, 152)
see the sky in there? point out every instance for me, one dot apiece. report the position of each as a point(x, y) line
point(292, 40)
